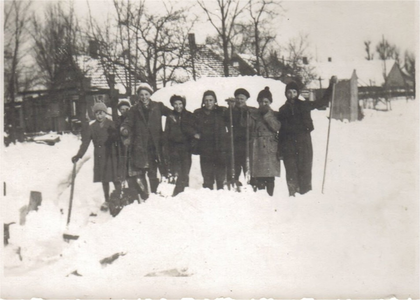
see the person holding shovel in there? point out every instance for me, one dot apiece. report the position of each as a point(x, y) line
point(105, 138)
point(295, 144)
point(239, 111)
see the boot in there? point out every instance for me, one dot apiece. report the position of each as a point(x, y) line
point(270, 188)
point(143, 189)
point(154, 183)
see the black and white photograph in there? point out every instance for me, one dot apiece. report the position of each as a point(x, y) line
point(210, 149)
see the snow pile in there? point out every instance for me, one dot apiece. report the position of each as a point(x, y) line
point(224, 89)
point(358, 239)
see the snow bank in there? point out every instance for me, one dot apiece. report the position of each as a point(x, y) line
point(224, 89)
point(358, 239)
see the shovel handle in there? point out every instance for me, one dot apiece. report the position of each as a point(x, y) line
point(73, 177)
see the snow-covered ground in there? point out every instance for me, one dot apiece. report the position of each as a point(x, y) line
point(357, 240)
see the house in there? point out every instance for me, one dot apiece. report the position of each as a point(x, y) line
point(67, 108)
point(245, 63)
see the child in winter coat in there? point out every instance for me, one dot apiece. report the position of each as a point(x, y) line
point(105, 140)
point(179, 132)
point(264, 126)
point(295, 144)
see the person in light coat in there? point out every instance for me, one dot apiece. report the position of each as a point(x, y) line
point(264, 126)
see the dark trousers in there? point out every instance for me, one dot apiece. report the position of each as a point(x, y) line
point(213, 168)
point(105, 187)
point(180, 158)
point(262, 183)
point(239, 161)
point(297, 158)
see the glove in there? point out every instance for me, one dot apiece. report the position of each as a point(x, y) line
point(333, 80)
point(74, 159)
point(126, 142)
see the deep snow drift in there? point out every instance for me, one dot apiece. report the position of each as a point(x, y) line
point(357, 240)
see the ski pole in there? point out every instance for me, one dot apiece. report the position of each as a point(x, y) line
point(248, 163)
point(328, 136)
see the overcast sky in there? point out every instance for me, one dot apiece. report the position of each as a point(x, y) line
point(336, 29)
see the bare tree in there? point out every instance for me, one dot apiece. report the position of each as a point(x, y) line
point(57, 38)
point(151, 45)
point(15, 37)
point(369, 55)
point(223, 19)
point(300, 58)
point(262, 13)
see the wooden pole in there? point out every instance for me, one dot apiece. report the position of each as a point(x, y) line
point(328, 137)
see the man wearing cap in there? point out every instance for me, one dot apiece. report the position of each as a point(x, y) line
point(239, 113)
point(142, 130)
point(295, 144)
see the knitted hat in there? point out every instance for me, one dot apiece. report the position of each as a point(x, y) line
point(122, 103)
point(209, 93)
point(177, 98)
point(292, 86)
point(145, 86)
point(242, 92)
point(99, 106)
point(265, 93)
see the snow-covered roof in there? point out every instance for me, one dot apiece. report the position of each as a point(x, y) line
point(209, 64)
point(96, 71)
point(369, 72)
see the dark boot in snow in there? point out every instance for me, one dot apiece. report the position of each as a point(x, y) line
point(143, 189)
point(270, 188)
point(154, 183)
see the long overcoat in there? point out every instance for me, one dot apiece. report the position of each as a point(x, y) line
point(263, 131)
point(217, 145)
point(105, 141)
point(142, 130)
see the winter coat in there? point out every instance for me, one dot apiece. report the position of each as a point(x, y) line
point(213, 132)
point(179, 132)
point(263, 132)
point(145, 132)
point(105, 141)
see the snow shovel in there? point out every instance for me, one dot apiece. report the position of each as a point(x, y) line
point(67, 237)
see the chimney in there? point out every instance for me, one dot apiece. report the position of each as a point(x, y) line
point(191, 41)
point(329, 59)
point(305, 60)
point(93, 48)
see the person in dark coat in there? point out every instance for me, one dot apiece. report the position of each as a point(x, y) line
point(104, 135)
point(264, 125)
point(239, 112)
point(179, 132)
point(295, 144)
point(212, 141)
point(142, 130)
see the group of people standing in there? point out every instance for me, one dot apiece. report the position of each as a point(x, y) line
point(229, 140)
